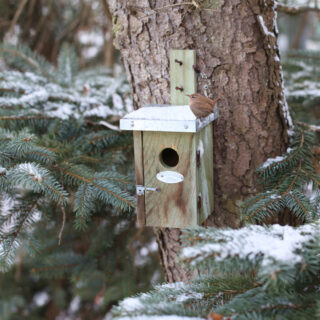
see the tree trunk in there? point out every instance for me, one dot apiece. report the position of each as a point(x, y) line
point(237, 54)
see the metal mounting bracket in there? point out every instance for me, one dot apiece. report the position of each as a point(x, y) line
point(141, 190)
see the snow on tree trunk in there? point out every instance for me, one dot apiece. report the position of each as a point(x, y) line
point(236, 48)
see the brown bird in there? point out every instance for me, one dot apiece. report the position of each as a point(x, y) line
point(200, 105)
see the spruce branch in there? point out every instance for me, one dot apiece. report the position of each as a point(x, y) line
point(46, 154)
point(101, 187)
point(20, 220)
point(23, 57)
point(284, 179)
point(34, 177)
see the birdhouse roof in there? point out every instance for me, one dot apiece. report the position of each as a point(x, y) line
point(165, 118)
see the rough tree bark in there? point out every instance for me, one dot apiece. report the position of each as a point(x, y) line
point(236, 47)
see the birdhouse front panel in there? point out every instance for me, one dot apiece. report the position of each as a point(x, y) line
point(174, 165)
point(169, 165)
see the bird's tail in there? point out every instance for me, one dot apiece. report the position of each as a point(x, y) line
point(215, 103)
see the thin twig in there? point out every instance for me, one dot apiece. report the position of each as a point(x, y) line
point(108, 125)
point(296, 42)
point(310, 127)
point(296, 10)
point(30, 15)
point(16, 17)
point(72, 28)
point(106, 9)
point(63, 224)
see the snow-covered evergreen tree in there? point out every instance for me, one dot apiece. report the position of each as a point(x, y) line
point(66, 181)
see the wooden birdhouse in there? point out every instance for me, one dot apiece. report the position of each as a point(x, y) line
point(173, 153)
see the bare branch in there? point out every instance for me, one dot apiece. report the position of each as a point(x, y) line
point(310, 127)
point(296, 10)
point(63, 224)
point(16, 17)
point(106, 9)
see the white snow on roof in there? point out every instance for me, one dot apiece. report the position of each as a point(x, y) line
point(166, 118)
point(162, 113)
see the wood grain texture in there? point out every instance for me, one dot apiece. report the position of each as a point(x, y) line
point(175, 205)
point(182, 76)
point(138, 165)
point(204, 173)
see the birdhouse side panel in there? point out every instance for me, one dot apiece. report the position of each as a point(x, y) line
point(175, 205)
point(204, 147)
point(138, 165)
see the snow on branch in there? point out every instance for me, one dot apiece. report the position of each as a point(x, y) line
point(276, 244)
point(161, 303)
point(264, 27)
point(62, 92)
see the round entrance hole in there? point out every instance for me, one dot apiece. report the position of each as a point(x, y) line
point(169, 157)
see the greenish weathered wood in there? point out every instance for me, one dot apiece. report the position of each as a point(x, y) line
point(138, 164)
point(175, 206)
point(182, 76)
point(204, 173)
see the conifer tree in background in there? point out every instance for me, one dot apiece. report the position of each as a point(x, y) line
point(45, 25)
point(66, 186)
